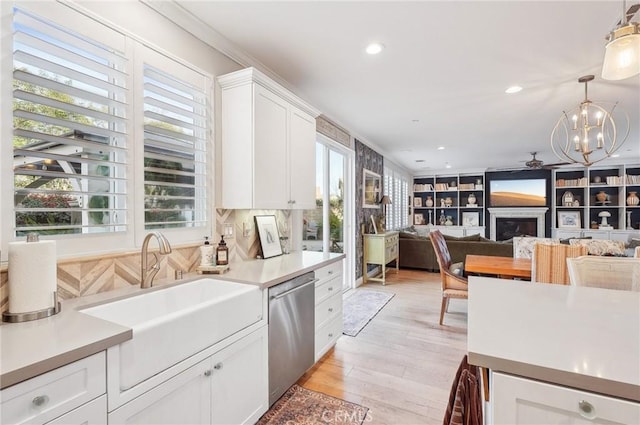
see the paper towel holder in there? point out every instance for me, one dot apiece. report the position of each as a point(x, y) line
point(34, 315)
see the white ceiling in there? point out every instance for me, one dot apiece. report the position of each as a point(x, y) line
point(441, 79)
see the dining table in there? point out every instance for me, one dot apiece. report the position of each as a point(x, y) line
point(502, 267)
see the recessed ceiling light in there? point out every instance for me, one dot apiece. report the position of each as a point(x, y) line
point(374, 48)
point(440, 148)
point(513, 89)
point(448, 165)
point(615, 155)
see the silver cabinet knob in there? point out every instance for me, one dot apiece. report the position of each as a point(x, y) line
point(330, 271)
point(330, 335)
point(40, 400)
point(330, 288)
point(586, 409)
point(218, 366)
point(207, 372)
point(330, 309)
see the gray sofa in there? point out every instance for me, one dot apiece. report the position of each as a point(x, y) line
point(416, 252)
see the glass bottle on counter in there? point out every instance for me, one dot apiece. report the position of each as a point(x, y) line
point(222, 253)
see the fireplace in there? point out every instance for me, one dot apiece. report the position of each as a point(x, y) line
point(507, 228)
point(509, 222)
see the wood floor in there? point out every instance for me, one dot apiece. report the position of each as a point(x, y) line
point(402, 364)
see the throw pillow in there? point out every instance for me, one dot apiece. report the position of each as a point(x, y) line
point(408, 235)
point(633, 243)
point(457, 268)
point(567, 241)
point(601, 246)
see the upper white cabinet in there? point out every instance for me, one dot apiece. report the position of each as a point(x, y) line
point(268, 145)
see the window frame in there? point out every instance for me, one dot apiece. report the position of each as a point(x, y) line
point(99, 243)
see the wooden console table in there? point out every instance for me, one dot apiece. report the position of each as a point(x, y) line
point(379, 249)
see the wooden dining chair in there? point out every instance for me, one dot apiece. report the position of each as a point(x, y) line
point(453, 285)
point(549, 262)
point(605, 272)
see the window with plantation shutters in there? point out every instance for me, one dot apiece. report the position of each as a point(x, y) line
point(176, 114)
point(70, 130)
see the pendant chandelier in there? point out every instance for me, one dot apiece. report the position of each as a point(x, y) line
point(589, 133)
point(622, 53)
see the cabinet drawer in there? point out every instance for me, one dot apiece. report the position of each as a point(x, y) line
point(92, 413)
point(518, 400)
point(45, 397)
point(328, 288)
point(328, 309)
point(328, 272)
point(327, 335)
point(391, 241)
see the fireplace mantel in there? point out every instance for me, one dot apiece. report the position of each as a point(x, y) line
point(529, 212)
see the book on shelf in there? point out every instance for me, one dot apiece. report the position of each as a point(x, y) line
point(614, 180)
point(444, 187)
point(581, 182)
point(631, 179)
point(467, 186)
point(422, 187)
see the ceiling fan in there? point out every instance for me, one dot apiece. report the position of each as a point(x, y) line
point(537, 164)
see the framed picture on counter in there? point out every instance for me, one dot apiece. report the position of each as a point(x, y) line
point(370, 189)
point(268, 235)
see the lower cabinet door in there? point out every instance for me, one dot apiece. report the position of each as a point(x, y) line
point(516, 400)
point(183, 399)
point(91, 413)
point(240, 381)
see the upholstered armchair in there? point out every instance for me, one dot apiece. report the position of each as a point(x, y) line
point(453, 285)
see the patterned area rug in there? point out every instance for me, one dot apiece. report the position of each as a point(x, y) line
point(300, 406)
point(360, 308)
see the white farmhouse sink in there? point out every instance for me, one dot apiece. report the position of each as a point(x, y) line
point(172, 324)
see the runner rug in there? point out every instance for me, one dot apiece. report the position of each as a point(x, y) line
point(301, 406)
point(360, 308)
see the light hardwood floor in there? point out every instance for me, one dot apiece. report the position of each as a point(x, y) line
point(402, 364)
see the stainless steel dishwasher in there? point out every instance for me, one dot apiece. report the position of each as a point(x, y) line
point(291, 332)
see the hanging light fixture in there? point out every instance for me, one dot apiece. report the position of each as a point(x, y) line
point(622, 53)
point(589, 133)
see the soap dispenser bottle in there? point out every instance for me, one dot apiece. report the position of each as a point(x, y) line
point(222, 253)
point(207, 254)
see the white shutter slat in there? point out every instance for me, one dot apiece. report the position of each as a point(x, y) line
point(70, 130)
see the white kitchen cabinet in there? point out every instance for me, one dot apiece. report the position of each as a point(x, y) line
point(516, 400)
point(268, 145)
point(229, 387)
point(91, 413)
point(240, 381)
point(328, 310)
point(52, 394)
point(183, 399)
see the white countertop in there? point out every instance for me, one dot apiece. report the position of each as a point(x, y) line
point(581, 337)
point(32, 348)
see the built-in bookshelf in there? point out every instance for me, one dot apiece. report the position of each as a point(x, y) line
point(582, 196)
point(449, 200)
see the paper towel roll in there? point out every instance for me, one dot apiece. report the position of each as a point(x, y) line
point(32, 275)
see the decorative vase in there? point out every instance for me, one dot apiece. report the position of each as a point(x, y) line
point(448, 201)
point(449, 221)
point(442, 220)
point(429, 202)
point(601, 197)
point(632, 199)
point(471, 200)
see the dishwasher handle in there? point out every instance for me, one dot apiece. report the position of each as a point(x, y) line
point(285, 293)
